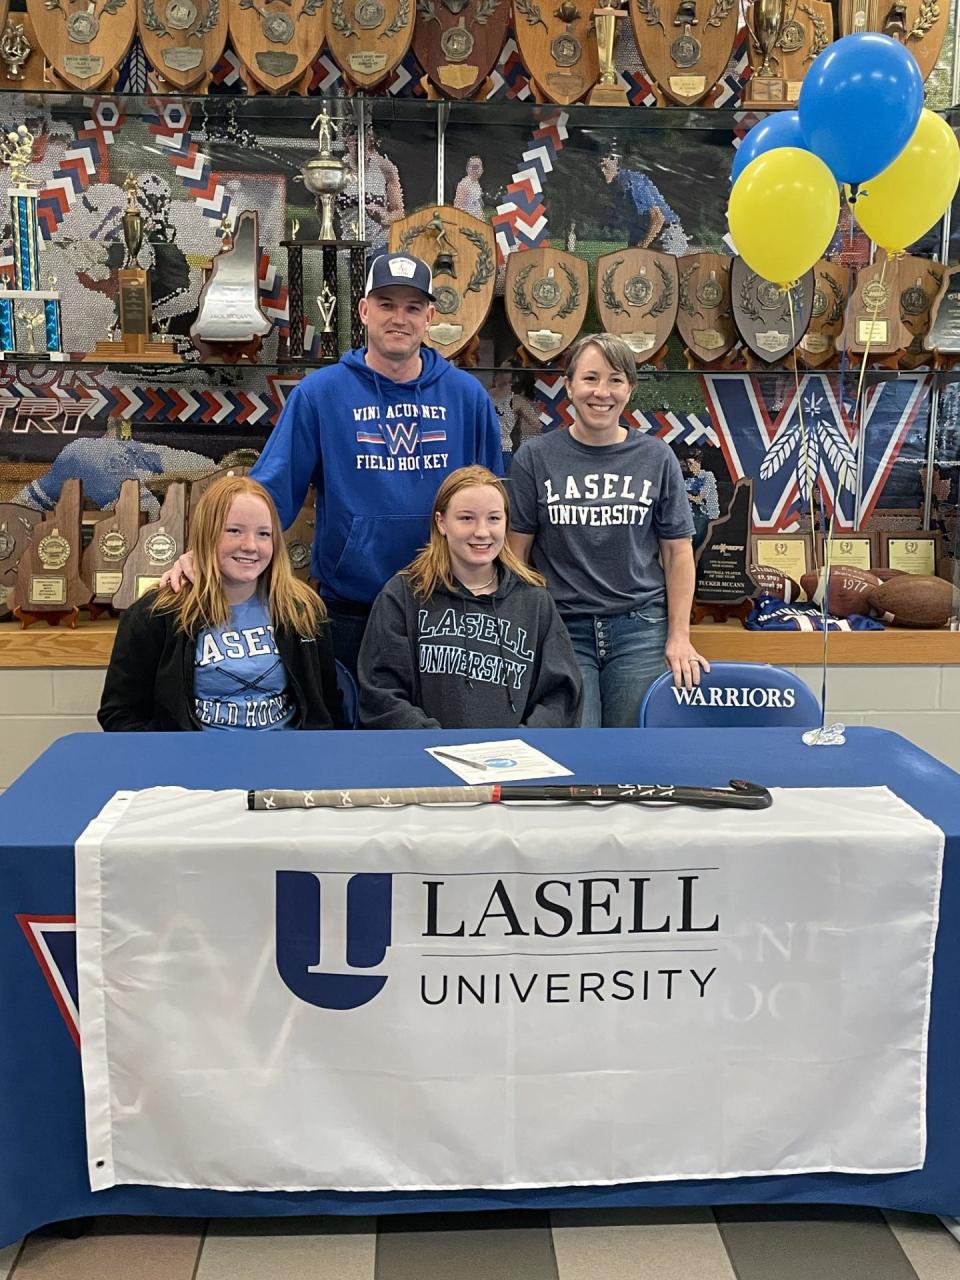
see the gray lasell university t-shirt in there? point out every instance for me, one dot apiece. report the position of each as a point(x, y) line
point(598, 513)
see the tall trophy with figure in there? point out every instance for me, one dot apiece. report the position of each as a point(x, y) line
point(608, 91)
point(29, 314)
point(324, 175)
point(133, 293)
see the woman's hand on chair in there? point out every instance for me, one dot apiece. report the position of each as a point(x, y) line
point(685, 663)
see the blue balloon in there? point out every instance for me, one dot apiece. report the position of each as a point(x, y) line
point(859, 105)
point(779, 129)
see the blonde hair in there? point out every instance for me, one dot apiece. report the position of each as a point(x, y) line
point(432, 564)
point(613, 349)
point(203, 603)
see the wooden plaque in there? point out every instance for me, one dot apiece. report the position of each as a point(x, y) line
point(818, 345)
point(685, 45)
point(299, 537)
point(791, 553)
point(458, 42)
point(638, 294)
point(277, 44)
point(546, 294)
point(807, 31)
point(183, 39)
point(919, 25)
point(770, 320)
point(48, 574)
point(944, 333)
point(558, 47)
point(911, 552)
point(368, 38)
point(874, 311)
point(919, 281)
point(16, 529)
point(84, 44)
point(200, 486)
point(158, 546)
point(705, 315)
point(113, 539)
point(851, 550)
point(461, 251)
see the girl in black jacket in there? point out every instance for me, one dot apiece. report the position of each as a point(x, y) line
point(246, 646)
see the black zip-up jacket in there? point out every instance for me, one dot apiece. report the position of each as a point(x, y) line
point(149, 684)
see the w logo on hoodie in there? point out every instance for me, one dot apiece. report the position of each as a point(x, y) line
point(400, 437)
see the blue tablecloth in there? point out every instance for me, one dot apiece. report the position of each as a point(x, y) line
point(42, 1160)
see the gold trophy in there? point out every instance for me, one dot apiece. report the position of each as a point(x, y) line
point(608, 92)
point(766, 87)
point(325, 174)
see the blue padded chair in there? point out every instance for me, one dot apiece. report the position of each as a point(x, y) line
point(745, 695)
point(351, 698)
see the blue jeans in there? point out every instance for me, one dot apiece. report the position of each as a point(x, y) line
point(619, 658)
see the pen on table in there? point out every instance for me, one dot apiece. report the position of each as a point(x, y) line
point(448, 755)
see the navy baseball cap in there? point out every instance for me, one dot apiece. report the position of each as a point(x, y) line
point(399, 268)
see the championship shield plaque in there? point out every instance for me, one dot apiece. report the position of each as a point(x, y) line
point(638, 294)
point(460, 250)
point(458, 42)
point(705, 315)
point(874, 311)
point(770, 320)
point(806, 32)
point(113, 538)
point(229, 324)
point(158, 545)
point(183, 39)
point(83, 43)
point(16, 529)
point(558, 47)
point(368, 38)
point(49, 587)
point(685, 44)
point(276, 46)
point(818, 346)
point(944, 333)
point(919, 25)
point(546, 294)
point(723, 582)
point(920, 281)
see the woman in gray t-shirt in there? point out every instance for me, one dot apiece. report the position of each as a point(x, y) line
point(602, 512)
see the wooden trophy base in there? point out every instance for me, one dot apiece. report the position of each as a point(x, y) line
point(767, 93)
point(141, 351)
point(229, 352)
point(720, 612)
point(607, 95)
point(52, 617)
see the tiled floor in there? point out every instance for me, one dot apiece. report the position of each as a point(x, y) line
point(754, 1243)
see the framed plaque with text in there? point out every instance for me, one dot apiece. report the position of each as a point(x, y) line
point(791, 553)
point(911, 552)
point(855, 550)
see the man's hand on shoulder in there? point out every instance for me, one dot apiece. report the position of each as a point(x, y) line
point(183, 570)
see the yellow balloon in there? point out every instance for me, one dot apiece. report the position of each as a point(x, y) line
point(901, 204)
point(783, 213)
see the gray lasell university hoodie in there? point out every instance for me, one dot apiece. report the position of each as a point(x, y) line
point(460, 661)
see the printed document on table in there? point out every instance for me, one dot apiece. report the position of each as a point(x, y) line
point(483, 762)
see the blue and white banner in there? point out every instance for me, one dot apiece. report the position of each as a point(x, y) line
point(497, 997)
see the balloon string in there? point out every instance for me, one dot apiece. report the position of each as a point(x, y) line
point(805, 447)
point(866, 347)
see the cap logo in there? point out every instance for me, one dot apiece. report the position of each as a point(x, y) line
point(406, 268)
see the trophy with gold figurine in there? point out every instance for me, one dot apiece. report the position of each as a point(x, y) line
point(28, 312)
point(767, 87)
point(324, 175)
point(608, 91)
point(133, 292)
point(782, 48)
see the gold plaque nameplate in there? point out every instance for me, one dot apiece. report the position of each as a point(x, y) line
point(709, 339)
point(457, 77)
point(543, 339)
point(144, 583)
point(569, 82)
point(687, 86)
point(48, 590)
point(106, 583)
point(83, 65)
point(815, 343)
point(787, 556)
point(639, 342)
point(367, 62)
point(872, 330)
point(773, 341)
point(912, 555)
point(793, 90)
point(855, 553)
point(445, 334)
point(182, 58)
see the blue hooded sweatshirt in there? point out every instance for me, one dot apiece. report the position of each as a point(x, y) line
point(377, 451)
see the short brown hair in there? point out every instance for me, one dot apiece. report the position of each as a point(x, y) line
point(613, 349)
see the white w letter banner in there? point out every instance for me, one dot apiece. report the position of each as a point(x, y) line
point(503, 997)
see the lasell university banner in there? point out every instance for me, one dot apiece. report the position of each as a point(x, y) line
point(503, 997)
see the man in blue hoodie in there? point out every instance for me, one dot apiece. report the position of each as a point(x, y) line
point(376, 433)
